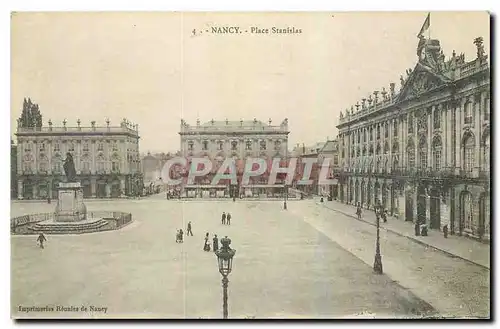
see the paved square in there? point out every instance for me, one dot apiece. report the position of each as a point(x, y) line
point(283, 267)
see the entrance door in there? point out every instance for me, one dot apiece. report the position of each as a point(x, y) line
point(421, 205)
point(101, 190)
point(409, 208)
point(435, 210)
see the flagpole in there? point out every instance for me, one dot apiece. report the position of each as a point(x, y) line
point(429, 25)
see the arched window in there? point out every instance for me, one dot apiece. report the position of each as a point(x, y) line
point(437, 118)
point(468, 113)
point(422, 153)
point(395, 131)
point(469, 152)
point(410, 123)
point(364, 135)
point(378, 149)
point(386, 130)
point(486, 109)
point(386, 147)
point(486, 157)
point(436, 153)
point(378, 131)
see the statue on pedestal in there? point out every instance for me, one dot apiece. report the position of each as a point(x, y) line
point(69, 168)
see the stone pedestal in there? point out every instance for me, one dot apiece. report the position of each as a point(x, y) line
point(70, 206)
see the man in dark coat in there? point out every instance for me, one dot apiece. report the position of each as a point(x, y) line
point(223, 218)
point(228, 218)
point(189, 230)
point(216, 242)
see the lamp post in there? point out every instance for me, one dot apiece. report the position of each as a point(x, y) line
point(225, 259)
point(377, 265)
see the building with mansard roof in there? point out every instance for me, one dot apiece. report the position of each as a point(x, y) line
point(424, 151)
point(218, 140)
point(106, 159)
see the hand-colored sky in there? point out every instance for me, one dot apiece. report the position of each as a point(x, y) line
point(150, 69)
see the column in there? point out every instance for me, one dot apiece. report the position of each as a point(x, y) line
point(447, 135)
point(108, 190)
point(415, 200)
point(430, 127)
point(20, 189)
point(122, 186)
point(402, 142)
point(458, 134)
point(93, 187)
point(428, 209)
point(478, 133)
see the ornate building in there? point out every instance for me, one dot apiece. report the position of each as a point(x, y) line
point(424, 152)
point(13, 170)
point(218, 140)
point(106, 158)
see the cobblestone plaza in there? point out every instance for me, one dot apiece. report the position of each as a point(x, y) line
point(309, 261)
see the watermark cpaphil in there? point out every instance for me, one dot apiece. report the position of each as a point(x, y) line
point(181, 170)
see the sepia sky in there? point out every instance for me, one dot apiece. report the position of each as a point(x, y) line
point(150, 69)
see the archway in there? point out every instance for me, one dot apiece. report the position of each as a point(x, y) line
point(421, 204)
point(435, 209)
point(357, 192)
point(466, 217)
point(115, 189)
point(409, 207)
point(43, 189)
point(384, 195)
point(369, 194)
point(28, 189)
point(363, 192)
point(376, 190)
point(484, 215)
point(393, 198)
point(101, 188)
point(351, 191)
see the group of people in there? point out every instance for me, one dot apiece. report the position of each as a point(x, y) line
point(179, 236)
point(226, 219)
point(379, 212)
point(215, 243)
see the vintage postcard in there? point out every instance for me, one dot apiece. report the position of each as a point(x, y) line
point(250, 165)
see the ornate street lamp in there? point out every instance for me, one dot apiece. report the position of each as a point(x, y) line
point(377, 265)
point(225, 259)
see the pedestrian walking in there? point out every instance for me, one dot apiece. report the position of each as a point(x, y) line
point(41, 239)
point(206, 246)
point(228, 219)
point(384, 215)
point(215, 243)
point(189, 230)
point(359, 211)
point(223, 218)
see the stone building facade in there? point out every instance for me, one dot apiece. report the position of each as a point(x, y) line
point(240, 140)
point(424, 152)
point(106, 159)
point(236, 139)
